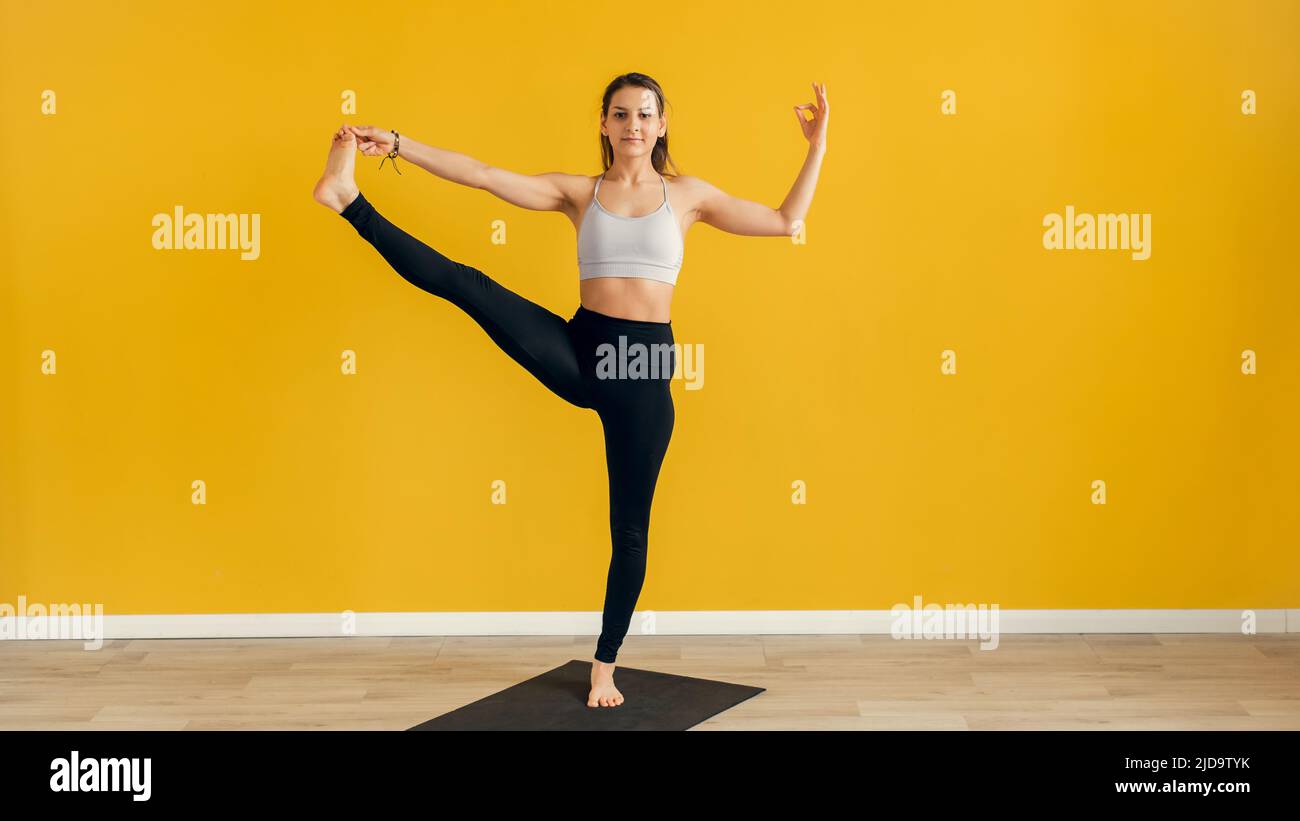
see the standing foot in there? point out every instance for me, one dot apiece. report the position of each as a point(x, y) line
point(603, 692)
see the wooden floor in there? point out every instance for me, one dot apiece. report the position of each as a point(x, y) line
point(843, 682)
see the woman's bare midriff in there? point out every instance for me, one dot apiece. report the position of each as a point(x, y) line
point(644, 300)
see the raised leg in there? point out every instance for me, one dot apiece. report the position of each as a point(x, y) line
point(531, 335)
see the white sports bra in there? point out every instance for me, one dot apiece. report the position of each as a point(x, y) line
point(611, 245)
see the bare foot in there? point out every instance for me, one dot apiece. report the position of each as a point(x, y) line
point(336, 188)
point(603, 692)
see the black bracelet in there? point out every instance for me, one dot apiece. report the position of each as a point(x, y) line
point(392, 155)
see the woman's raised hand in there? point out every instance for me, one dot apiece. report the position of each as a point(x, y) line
point(815, 129)
point(371, 141)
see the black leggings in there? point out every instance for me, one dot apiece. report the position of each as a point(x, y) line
point(618, 367)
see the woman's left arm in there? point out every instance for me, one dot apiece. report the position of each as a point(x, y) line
point(753, 219)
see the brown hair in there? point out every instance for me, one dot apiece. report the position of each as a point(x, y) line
point(659, 156)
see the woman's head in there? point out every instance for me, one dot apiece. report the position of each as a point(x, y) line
point(633, 107)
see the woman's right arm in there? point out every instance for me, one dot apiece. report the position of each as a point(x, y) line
point(539, 192)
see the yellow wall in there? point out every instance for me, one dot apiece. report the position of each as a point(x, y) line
point(372, 492)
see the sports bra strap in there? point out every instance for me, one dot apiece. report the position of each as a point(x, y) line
point(662, 179)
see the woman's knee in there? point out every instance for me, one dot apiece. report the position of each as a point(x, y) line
point(630, 541)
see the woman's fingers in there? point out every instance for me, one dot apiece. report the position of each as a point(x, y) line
point(369, 139)
point(369, 135)
point(819, 91)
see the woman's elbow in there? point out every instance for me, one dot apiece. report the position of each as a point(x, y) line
point(480, 176)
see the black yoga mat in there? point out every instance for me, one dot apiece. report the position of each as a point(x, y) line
point(557, 700)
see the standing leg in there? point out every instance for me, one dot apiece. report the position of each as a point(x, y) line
point(635, 407)
point(636, 440)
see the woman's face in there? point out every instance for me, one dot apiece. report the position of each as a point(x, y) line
point(633, 124)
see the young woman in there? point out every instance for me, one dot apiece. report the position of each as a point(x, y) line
point(630, 221)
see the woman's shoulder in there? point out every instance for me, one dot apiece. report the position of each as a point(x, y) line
point(577, 188)
point(686, 182)
point(690, 190)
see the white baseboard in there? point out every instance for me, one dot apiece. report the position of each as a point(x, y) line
point(579, 623)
